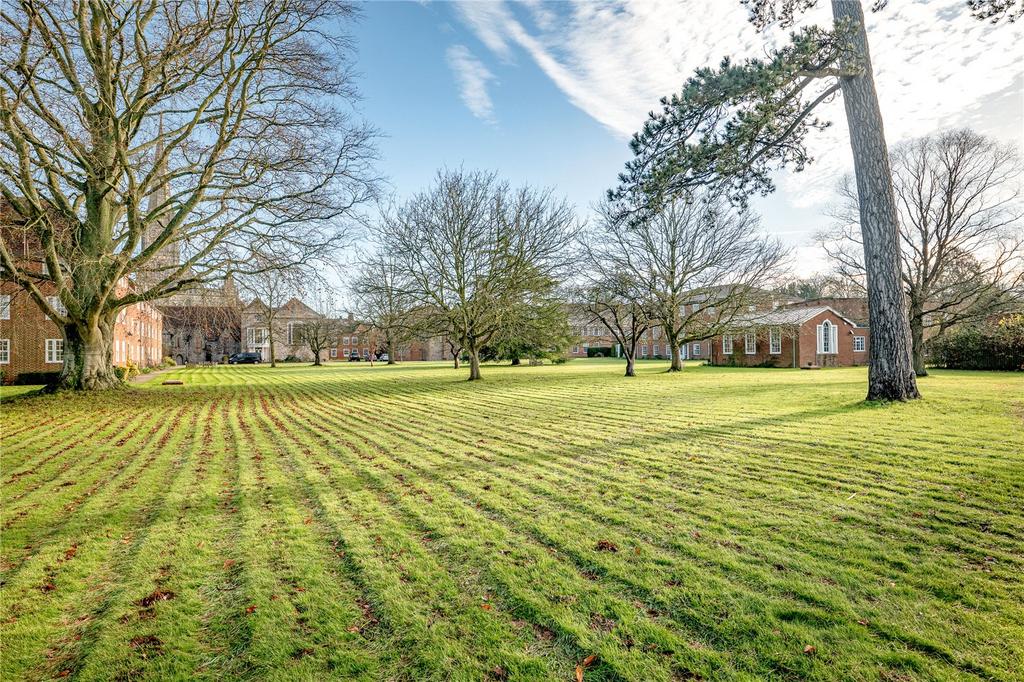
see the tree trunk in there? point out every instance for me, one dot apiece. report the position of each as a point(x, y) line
point(455, 358)
point(890, 372)
point(516, 361)
point(630, 369)
point(273, 361)
point(88, 357)
point(917, 340)
point(677, 356)
point(391, 353)
point(316, 359)
point(474, 364)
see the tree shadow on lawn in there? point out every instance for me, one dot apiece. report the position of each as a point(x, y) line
point(633, 439)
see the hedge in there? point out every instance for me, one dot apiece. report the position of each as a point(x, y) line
point(992, 346)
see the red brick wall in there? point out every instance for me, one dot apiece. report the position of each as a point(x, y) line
point(26, 331)
point(139, 327)
point(803, 342)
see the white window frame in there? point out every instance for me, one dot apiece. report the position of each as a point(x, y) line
point(291, 333)
point(750, 343)
point(256, 341)
point(859, 344)
point(334, 352)
point(727, 345)
point(344, 341)
point(643, 350)
point(54, 351)
point(56, 304)
point(774, 341)
point(828, 338)
point(575, 349)
point(696, 350)
point(654, 350)
point(5, 306)
point(5, 351)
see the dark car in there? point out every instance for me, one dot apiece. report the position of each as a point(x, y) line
point(354, 357)
point(245, 359)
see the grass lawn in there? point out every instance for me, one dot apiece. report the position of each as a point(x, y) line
point(13, 391)
point(399, 523)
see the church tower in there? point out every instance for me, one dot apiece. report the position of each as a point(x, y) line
point(169, 256)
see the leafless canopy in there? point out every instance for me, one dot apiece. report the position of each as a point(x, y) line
point(960, 217)
point(228, 105)
point(384, 303)
point(472, 248)
point(166, 139)
point(697, 263)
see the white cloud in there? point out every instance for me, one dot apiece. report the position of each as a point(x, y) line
point(472, 77)
point(934, 65)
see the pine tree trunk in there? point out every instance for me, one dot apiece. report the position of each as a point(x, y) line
point(890, 372)
point(88, 357)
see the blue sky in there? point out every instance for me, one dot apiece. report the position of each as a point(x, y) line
point(412, 94)
point(548, 93)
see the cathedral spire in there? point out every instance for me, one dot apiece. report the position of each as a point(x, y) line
point(159, 193)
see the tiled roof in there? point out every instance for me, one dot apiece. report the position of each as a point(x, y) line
point(782, 316)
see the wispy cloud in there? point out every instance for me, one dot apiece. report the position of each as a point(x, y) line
point(934, 65)
point(472, 77)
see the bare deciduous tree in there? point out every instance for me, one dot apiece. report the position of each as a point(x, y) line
point(158, 141)
point(384, 303)
point(614, 299)
point(474, 248)
point(700, 263)
point(961, 243)
point(319, 335)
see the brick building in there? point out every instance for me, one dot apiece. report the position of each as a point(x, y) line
point(31, 343)
point(797, 334)
point(794, 336)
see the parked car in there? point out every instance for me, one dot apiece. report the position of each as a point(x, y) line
point(383, 357)
point(354, 357)
point(245, 359)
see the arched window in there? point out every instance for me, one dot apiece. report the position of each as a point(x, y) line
point(828, 338)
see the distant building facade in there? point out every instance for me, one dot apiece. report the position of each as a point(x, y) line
point(790, 334)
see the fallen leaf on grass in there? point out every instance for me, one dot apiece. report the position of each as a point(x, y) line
point(586, 663)
point(228, 563)
point(606, 546)
point(485, 607)
point(863, 622)
point(810, 650)
point(251, 608)
point(308, 520)
point(155, 596)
